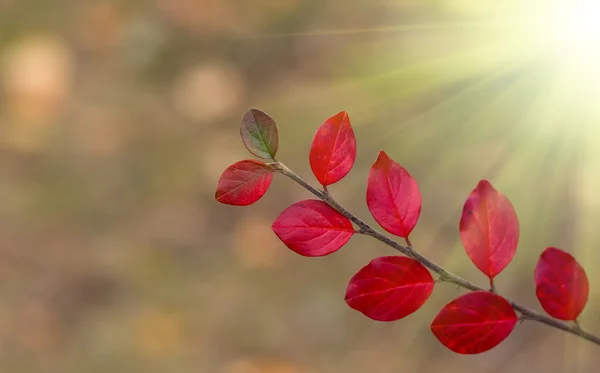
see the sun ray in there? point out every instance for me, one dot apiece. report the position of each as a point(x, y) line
point(398, 28)
point(515, 154)
point(444, 103)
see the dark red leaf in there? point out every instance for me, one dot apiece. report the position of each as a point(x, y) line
point(244, 183)
point(561, 284)
point(259, 134)
point(389, 288)
point(333, 149)
point(489, 229)
point(313, 228)
point(475, 322)
point(393, 196)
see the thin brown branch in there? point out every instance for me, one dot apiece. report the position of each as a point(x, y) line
point(444, 275)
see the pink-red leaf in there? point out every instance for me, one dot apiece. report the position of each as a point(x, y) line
point(259, 134)
point(244, 183)
point(489, 229)
point(475, 322)
point(389, 288)
point(313, 228)
point(561, 284)
point(333, 149)
point(393, 196)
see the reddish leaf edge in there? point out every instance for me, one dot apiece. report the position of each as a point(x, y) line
point(330, 229)
point(387, 180)
point(550, 277)
point(482, 193)
point(321, 161)
point(259, 146)
point(379, 297)
point(465, 312)
point(220, 195)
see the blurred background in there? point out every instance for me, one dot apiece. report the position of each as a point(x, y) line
point(118, 117)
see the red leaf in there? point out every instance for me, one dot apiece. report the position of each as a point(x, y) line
point(244, 183)
point(561, 284)
point(475, 322)
point(489, 229)
point(393, 196)
point(333, 149)
point(389, 288)
point(313, 228)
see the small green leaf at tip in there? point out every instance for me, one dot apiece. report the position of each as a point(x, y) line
point(259, 134)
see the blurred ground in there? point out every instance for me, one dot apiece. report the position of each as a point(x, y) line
point(117, 118)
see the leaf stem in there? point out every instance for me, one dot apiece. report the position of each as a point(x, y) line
point(445, 276)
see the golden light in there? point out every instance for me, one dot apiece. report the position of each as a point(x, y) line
point(572, 30)
point(565, 36)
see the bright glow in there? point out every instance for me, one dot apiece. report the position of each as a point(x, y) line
point(572, 28)
point(578, 26)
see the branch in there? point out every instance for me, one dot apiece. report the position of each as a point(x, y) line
point(445, 276)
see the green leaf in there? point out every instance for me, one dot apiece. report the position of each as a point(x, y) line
point(259, 134)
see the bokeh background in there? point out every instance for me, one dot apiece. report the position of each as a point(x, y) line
point(118, 117)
